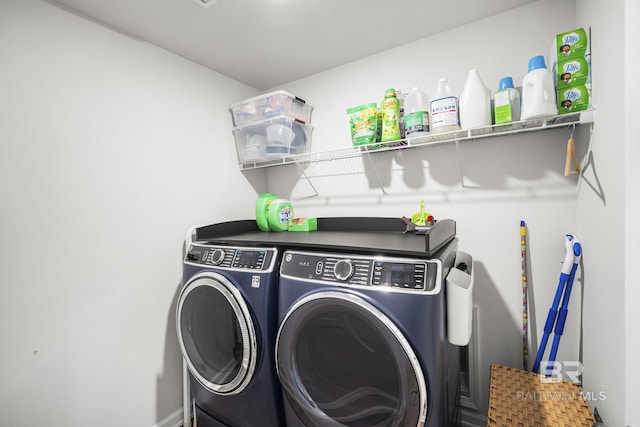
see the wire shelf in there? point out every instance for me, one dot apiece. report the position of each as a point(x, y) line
point(512, 128)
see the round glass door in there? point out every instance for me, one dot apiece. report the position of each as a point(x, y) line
point(216, 333)
point(342, 362)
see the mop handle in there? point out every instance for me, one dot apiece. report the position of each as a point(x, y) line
point(551, 320)
point(560, 322)
point(567, 267)
point(564, 310)
point(569, 254)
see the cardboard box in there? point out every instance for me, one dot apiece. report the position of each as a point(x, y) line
point(572, 44)
point(574, 99)
point(573, 72)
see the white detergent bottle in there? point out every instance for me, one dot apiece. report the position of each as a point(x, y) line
point(538, 91)
point(475, 102)
point(444, 109)
point(401, 98)
point(416, 113)
point(506, 102)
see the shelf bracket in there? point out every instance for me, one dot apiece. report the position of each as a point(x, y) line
point(375, 171)
point(460, 171)
point(313, 187)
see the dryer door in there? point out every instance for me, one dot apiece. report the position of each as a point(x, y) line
point(342, 362)
point(216, 333)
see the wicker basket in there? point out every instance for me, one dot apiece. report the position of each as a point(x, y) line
point(520, 399)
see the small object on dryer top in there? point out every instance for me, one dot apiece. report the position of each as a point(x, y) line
point(303, 224)
point(412, 227)
point(421, 218)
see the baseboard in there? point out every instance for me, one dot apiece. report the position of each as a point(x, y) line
point(173, 420)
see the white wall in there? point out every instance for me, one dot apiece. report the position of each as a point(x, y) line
point(506, 179)
point(601, 217)
point(632, 212)
point(110, 148)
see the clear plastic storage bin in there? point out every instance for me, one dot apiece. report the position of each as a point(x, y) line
point(272, 138)
point(269, 105)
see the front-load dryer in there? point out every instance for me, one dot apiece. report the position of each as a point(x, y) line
point(362, 340)
point(226, 324)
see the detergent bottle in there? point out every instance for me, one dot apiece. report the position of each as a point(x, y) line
point(475, 102)
point(401, 99)
point(416, 114)
point(538, 91)
point(506, 102)
point(390, 107)
point(444, 109)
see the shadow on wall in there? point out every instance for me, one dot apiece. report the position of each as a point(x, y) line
point(169, 382)
point(257, 179)
point(499, 337)
point(532, 317)
point(442, 165)
point(501, 162)
point(489, 163)
point(377, 169)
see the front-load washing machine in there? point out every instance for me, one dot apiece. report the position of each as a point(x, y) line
point(362, 338)
point(226, 324)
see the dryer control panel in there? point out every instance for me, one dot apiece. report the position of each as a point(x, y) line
point(231, 257)
point(381, 272)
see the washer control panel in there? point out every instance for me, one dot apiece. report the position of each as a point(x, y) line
point(231, 257)
point(381, 272)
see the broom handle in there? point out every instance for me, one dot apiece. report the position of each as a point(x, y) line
point(525, 301)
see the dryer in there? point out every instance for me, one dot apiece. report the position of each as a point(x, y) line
point(226, 325)
point(362, 338)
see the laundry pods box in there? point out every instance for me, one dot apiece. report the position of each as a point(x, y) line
point(574, 99)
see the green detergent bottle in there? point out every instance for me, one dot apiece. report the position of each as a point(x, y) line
point(390, 107)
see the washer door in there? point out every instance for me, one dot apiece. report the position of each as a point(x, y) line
point(342, 362)
point(216, 333)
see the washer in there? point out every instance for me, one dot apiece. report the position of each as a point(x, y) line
point(226, 324)
point(362, 339)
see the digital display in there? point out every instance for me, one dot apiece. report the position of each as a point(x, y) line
point(397, 274)
point(404, 268)
point(250, 259)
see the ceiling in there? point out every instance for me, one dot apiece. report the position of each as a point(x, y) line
point(265, 43)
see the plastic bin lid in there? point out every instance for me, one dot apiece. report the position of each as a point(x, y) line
point(265, 95)
point(272, 119)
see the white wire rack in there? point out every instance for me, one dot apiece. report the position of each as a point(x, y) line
point(565, 120)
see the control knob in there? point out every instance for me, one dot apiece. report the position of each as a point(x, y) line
point(343, 269)
point(217, 256)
